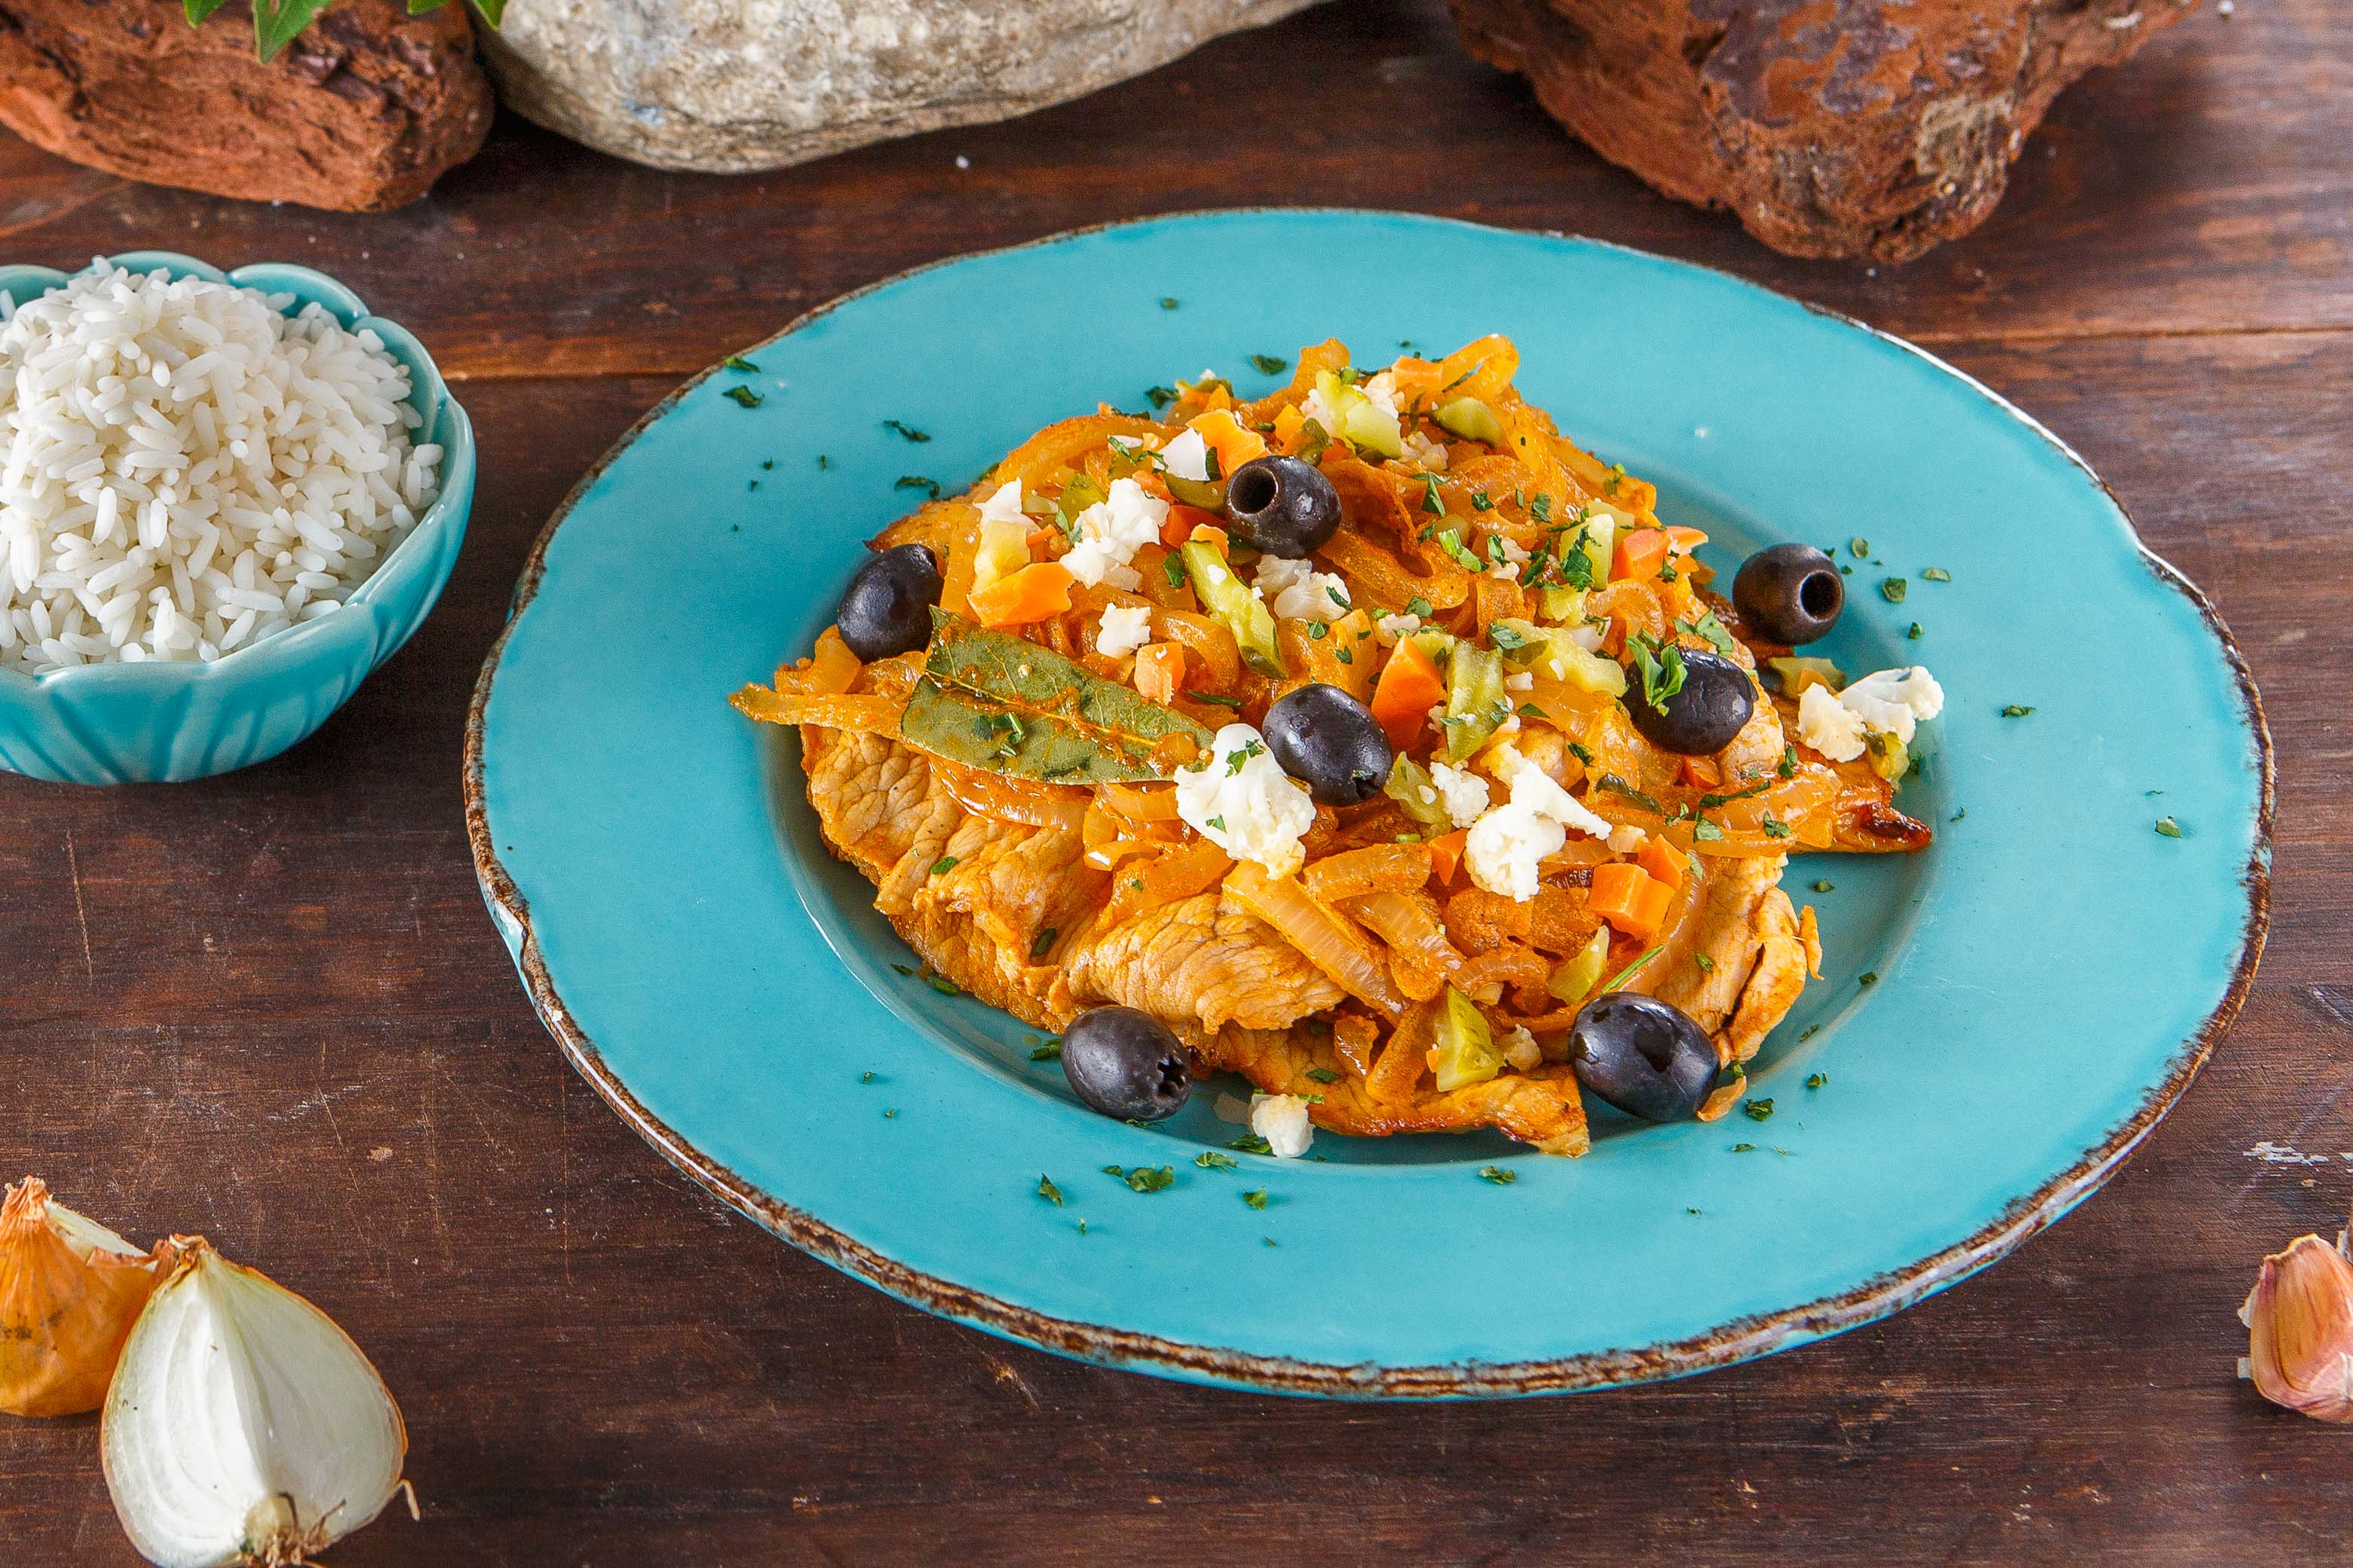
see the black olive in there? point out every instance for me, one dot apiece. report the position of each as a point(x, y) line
point(1700, 718)
point(1281, 505)
point(1791, 592)
point(1331, 743)
point(1646, 1056)
point(1125, 1063)
point(887, 608)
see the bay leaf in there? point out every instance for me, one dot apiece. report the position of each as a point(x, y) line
point(992, 701)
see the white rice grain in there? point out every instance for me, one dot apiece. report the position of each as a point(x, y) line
point(185, 471)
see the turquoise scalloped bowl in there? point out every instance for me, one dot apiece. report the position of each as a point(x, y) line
point(169, 722)
point(1999, 1019)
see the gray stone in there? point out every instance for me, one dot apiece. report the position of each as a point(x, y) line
point(726, 86)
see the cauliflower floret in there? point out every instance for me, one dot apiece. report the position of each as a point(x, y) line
point(1463, 792)
point(1112, 530)
point(1295, 591)
point(1240, 800)
point(1282, 1121)
point(1392, 629)
point(1505, 848)
point(1124, 628)
point(1429, 454)
point(1187, 457)
point(1829, 726)
point(1892, 702)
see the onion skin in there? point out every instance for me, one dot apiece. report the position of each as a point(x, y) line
point(70, 1292)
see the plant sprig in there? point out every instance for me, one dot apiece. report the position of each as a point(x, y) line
point(278, 23)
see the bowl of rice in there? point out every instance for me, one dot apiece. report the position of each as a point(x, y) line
point(224, 499)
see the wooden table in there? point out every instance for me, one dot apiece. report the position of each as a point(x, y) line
point(269, 1007)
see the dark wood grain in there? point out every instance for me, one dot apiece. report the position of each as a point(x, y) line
point(269, 1007)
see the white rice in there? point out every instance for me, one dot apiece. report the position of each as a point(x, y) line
point(185, 471)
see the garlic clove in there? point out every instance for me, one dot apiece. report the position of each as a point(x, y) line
point(243, 1427)
point(70, 1291)
point(2299, 1321)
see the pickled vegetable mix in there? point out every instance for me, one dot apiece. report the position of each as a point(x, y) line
point(1369, 740)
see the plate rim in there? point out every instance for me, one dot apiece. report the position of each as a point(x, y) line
point(1740, 1339)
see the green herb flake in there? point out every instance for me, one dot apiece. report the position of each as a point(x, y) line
point(906, 432)
point(1936, 575)
point(1894, 589)
point(1817, 1080)
point(1047, 1051)
point(944, 865)
point(1581, 753)
point(1825, 886)
point(745, 396)
point(1250, 1143)
point(904, 970)
point(1480, 502)
point(866, 1077)
point(1744, 1148)
point(1497, 1175)
point(1049, 1191)
point(943, 985)
point(1044, 943)
point(917, 482)
point(1858, 547)
point(1774, 827)
point(1268, 365)
point(1706, 964)
point(1211, 1159)
point(1914, 633)
point(1318, 630)
point(1322, 1075)
point(1215, 699)
point(1257, 1200)
point(1161, 396)
point(1169, 302)
point(1451, 541)
point(2169, 827)
point(1757, 1110)
point(1530, 711)
point(1151, 1179)
point(2016, 710)
point(737, 361)
point(1868, 977)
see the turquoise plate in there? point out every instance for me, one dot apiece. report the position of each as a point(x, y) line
point(2003, 1018)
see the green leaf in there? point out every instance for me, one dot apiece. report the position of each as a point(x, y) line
point(1256, 1200)
point(1661, 667)
point(200, 9)
point(1043, 945)
point(1267, 365)
point(493, 11)
point(908, 481)
point(905, 432)
point(1154, 1179)
point(1049, 1191)
point(1498, 1175)
point(743, 394)
point(1047, 1049)
point(278, 23)
point(992, 700)
point(1211, 1159)
point(1705, 624)
point(2169, 826)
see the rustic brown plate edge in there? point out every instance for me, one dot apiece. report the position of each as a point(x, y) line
point(1739, 1341)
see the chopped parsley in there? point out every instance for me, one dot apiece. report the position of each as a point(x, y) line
point(1914, 633)
point(1817, 1080)
point(1744, 1148)
point(1661, 667)
point(942, 984)
point(1338, 599)
point(1710, 802)
point(1250, 1143)
point(1218, 822)
point(1044, 943)
point(1451, 541)
point(1238, 758)
point(1826, 885)
point(1146, 1178)
point(2169, 827)
point(1432, 501)
point(1706, 964)
point(1049, 1191)
point(1530, 711)
point(1211, 1159)
point(1936, 575)
point(1704, 831)
point(2016, 710)
point(1172, 567)
point(1759, 1110)
point(1774, 827)
point(1497, 1175)
point(1541, 508)
point(1789, 768)
point(944, 865)
point(1047, 1049)
point(1858, 547)
point(1894, 589)
point(906, 432)
point(917, 482)
point(1169, 301)
point(1868, 977)
point(1705, 624)
point(1419, 607)
point(1344, 656)
point(737, 361)
point(1218, 699)
point(1581, 753)
point(1478, 501)
point(1268, 365)
point(1617, 477)
point(1257, 1200)
point(1322, 1075)
point(745, 396)
point(1508, 639)
point(1318, 630)
point(1161, 396)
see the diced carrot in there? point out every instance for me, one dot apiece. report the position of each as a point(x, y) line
point(1409, 685)
point(1029, 594)
point(1234, 443)
point(1159, 671)
point(1684, 540)
point(1641, 552)
point(1629, 897)
point(1675, 593)
point(1663, 861)
point(1208, 533)
point(1446, 854)
point(1287, 427)
point(1041, 537)
point(1701, 773)
point(1182, 521)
